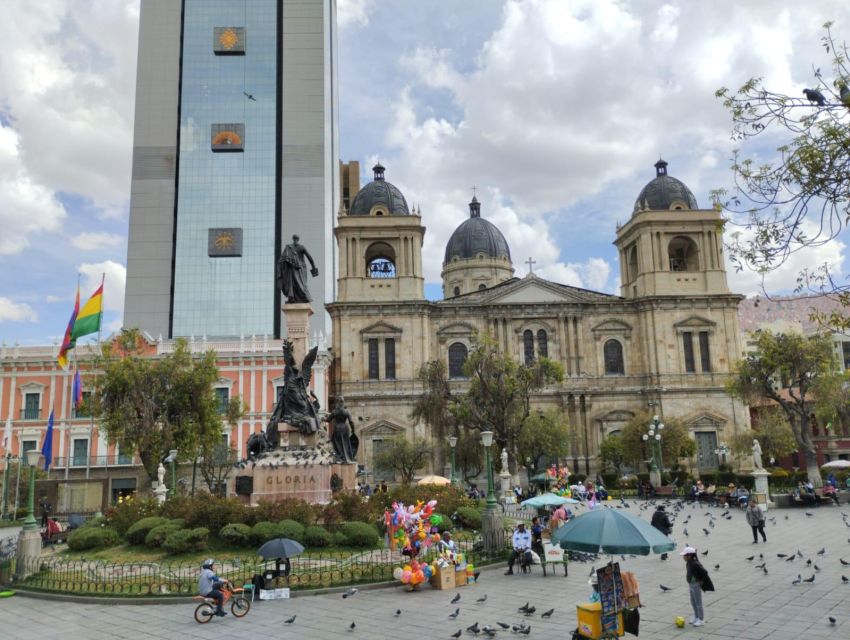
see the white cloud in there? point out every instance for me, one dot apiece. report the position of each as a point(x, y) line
point(354, 12)
point(88, 241)
point(11, 311)
point(113, 288)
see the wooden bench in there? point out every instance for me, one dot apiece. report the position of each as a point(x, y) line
point(667, 490)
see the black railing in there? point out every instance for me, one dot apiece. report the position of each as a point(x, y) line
point(31, 413)
point(60, 462)
point(180, 578)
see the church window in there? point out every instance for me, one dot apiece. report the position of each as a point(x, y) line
point(682, 253)
point(482, 286)
point(704, 353)
point(612, 352)
point(389, 358)
point(457, 291)
point(542, 344)
point(528, 345)
point(632, 263)
point(457, 357)
point(688, 349)
point(373, 359)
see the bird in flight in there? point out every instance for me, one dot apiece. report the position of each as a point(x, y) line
point(249, 96)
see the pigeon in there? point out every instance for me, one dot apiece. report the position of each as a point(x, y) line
point(717, 567)
point(817, 568)
point(530, 611)
point(474, 629)
point(663, 556)
point(489, 632)
point(525, 631)
point(397, 613)
point(831, 620)
point(458, 634)
point(750, 559)
point(685, 532)
point(455, 614)
point(809, 580)
point(844, 579)
point(352, 626)
point(663, 588)
point(815, 97)
point(706, 531)
point(822, 551)
point(290, 620)
point(524, 608)
point(799, 555)
point(503, 625)
point(809, 562)
point(790, 558)
point(249, 96)
point(844, 562)
point(781, 555)
point(704, 553)
point(808, 515)
point(456, 599)
point(547, 614)
point(844, 94)
point(797, 580)
point(482, 599)
point(765, 570)
point(351, 591)
point(760, 566)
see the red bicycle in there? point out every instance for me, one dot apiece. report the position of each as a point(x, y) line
point(240, 606)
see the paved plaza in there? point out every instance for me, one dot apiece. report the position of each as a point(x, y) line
point(748, 603)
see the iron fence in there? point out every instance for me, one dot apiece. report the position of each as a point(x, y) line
point(180, 578)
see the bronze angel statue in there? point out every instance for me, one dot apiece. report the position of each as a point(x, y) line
point(294, 405)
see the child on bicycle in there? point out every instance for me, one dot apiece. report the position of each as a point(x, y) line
point(209, 585)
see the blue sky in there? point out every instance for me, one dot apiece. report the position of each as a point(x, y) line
point(555, 110)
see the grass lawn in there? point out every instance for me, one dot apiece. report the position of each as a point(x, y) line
point(9, 523)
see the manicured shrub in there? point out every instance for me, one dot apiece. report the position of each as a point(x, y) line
point(180, 522)
point(236, 534)
point(137, 533)
point(339, 539)
point(291, 529)
point(93, 538)
point(468, 518)
point(264, 531)
point(290, 509)
point(126, 513)
point(317, 537)
point(359, 534)
point(157, 535)
point(186, 540)
point(99, 521)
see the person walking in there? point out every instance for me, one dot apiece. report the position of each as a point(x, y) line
point(698, 581)
point(661, 521)
point(755, 518)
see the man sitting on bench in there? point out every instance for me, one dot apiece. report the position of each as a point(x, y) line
point(521, 549)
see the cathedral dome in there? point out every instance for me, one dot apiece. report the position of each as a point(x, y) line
point(477, 237)
point(379, 197)
point(665, 192)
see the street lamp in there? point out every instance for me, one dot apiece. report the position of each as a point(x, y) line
point(653, 438)
point(453, 444)
point(4, 515)
point(487, 441)
point(172, 458)
point(30, 523)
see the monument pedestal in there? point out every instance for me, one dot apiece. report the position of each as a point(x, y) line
point(29, 551)
point(761, 494)
point(297, 315)
point(505, 491)
point(160, 492)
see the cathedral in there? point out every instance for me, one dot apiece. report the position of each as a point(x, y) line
point(665, 344)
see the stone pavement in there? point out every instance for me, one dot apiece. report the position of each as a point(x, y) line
point(747, 604)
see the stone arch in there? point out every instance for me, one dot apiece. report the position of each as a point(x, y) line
point(683, 254)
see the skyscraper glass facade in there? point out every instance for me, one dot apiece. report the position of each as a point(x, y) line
point(225, 243)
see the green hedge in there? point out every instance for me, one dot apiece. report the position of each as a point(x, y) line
point(93, 538)
point(317, 537)
point(291, 529)
point(186, 540)
point(236, 534)
point(264, 531)
point(359, 534)
point(468, 518)
point(157, 535)
point(137, 533)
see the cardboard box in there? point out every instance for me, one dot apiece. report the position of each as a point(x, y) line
point(460, 578)
point(274, 594)
point(443, 578)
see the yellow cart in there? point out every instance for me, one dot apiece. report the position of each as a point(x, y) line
point(590, 621)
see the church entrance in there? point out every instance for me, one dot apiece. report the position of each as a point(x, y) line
point(706, 444)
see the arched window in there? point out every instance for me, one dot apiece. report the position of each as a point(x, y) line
point(482, 286)
point(457, 357)
point(613, 355)
point(528, 345)
point(457, 291)
point(542, 344)
point(633, 263)
point(380, 261)
point(683, 254)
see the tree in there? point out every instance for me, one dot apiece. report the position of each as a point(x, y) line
point(802, 200)
point(773, 433)
point(404, 457)
point(675, 441)
point(785, 368)
point(216, 465)
point(500, 392)
point(544, 436)
point(612, 453)
point(154, 405)
point(469, 453)
point(832, 402)
point(433, 406)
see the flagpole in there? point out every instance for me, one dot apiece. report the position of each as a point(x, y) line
point(94, 389)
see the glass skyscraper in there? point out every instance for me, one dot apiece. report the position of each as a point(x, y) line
point(234, 151)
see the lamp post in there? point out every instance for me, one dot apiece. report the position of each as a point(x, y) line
point(653, 438)
point(30, 523)
point(29, 539)
point(5, 513)
point(172, 458)
point(491, 520)
point(453, 444)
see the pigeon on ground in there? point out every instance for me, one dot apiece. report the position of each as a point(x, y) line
point(822, 551)
point(351, 591)
point(482, 599)
point(663, 588)
point(797, 580)
point(831, 620)
point(456, 599)
point(808, 515)
point(717, 567)
point(503, 625)
point(530, 611)
point(457, 634)
point(817, 568)
point(290, 620)
point(750, 559)
point(547, 614)
point(455, 614)
point(704, 553)
point(760, 566)
point(765, 570)
point(525, 631)
point(815, 97)
point(352, 626)
point(809, 580)
point(781, 555)
point(474, 628)
point(524, 608)
point(844, 562)
point(397, 613)
point(844, 579)
point(706, 531)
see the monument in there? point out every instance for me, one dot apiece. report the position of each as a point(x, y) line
point(295, 457)
point(761, 493)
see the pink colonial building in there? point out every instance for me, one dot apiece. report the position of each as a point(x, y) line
point(98, 471)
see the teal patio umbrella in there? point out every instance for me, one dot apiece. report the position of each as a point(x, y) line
point(611, 531)
point(547, 500)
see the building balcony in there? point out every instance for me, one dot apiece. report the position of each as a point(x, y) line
point(81, 462)
point(31, 414)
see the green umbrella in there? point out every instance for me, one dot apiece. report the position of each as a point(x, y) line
point(613, 532)
point(547, 500)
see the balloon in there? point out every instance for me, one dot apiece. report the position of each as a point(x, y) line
point(406, 577)
point(436, 519)
point(428, 571)
point(418, 577)
point(397, 573)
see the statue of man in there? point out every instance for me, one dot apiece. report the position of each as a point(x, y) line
point(757, 454)
point(291, 273)
point(504, 460)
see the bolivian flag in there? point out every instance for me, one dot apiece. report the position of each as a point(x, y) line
point(88, 319)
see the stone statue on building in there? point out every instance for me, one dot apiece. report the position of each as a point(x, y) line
point(291, 273)
point(343, 439)
point(503, 458)
point(294, 405)
point(160, 475)
point(757, 455)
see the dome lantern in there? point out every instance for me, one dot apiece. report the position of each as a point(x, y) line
point(474, 208)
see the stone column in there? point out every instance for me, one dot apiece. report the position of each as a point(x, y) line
point(298, 327)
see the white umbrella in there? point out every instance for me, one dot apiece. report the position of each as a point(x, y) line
point(837, 464)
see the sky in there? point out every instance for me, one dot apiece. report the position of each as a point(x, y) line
point(554, 110)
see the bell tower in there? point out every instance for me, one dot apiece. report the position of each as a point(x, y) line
point(380, 245)
point(670, 246)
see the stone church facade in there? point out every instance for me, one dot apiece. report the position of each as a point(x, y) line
point(666, 343)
